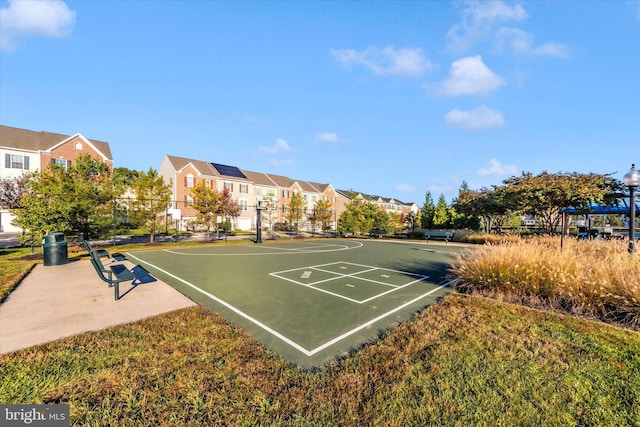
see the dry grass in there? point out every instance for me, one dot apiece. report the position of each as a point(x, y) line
point(589, 278)
point(489, 238)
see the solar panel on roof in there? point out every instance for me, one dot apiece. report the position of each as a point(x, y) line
point(226, 170)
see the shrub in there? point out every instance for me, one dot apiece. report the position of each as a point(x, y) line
point(593, 278)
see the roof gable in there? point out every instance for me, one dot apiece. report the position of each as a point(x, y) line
point(28, 140)
point(203, 168)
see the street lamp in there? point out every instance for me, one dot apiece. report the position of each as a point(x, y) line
point(632, 179)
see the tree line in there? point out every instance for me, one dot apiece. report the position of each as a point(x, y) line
point(88, 199)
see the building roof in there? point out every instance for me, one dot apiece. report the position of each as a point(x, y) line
point(29, 140)
point(281, 181)
point(308, 187)
point(618, 207)
point(321, 187)
point(259, 178)
point(205, 168)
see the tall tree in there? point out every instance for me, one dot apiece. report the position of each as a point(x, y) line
point(91, 196)
point(427, 212)
point(294, 210)
point(321, 214)
point(229, 207)
point(441, 215)
point(462, 216)
point(152, 197)
point(207, 202)
point(546, 195)
point(361, 216)
point(75, 200)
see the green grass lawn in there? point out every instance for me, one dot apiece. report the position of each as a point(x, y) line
point(464, 361)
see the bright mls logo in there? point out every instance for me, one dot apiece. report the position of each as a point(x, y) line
point(34, 415)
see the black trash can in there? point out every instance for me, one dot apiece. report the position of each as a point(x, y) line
point(54, 249)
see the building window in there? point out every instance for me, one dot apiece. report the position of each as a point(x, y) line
point(61, 162)
point(285, 194)
point(190, 200)
point(189, 181)
point(244, 188)
point(229, 186)
point(244, 205)
point(16, 161)
point(78, 145)
point(258, 191)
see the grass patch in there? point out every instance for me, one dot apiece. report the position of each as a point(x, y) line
point(15, 264)
point(465, 361)
point(598, 279)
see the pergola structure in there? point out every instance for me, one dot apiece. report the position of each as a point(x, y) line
point(617, 207)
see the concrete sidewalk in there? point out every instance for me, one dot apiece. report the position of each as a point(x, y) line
point(59, 301)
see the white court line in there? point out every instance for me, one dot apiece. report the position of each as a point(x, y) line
point(372, 321)
point(279, 335)
point(286, 251)
point(339, 276)
point(230, 307)
point(317, 289)
point(370, 267)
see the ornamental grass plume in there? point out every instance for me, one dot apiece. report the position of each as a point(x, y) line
point(588, 278)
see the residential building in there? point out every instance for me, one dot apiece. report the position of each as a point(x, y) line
point(250, 189)
point(183, 174)
point(23, 151)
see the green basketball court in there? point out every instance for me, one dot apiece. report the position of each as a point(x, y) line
point(309, 301)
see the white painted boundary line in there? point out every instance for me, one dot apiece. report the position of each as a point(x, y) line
point(279, 335)
point(372, 321)
point(230, 307)
point(286, 251)
point(339, 276)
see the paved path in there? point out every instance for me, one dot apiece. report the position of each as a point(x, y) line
point(59, 301)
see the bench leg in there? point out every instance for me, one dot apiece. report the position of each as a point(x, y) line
point(116, 287)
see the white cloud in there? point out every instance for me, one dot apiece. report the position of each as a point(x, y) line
point(479, 118)
point(50, 18)
point(521, 43)
point(387, 61)
point(478, 21)
point(405, 188)
point(279, 146)
point(495, 168)
point(327, 137)
point(469, 76)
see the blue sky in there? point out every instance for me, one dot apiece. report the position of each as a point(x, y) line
point(389, 98)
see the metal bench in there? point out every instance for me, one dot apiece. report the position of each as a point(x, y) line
point(438, 234)
point(113, 275)
point(102, 253)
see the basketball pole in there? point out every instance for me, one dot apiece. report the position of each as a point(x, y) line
point(259, 222)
